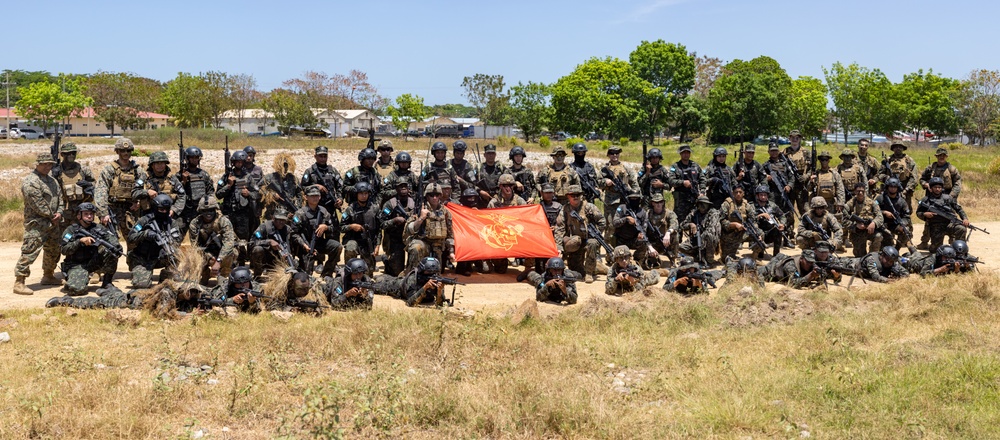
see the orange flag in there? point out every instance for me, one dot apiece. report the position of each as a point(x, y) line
point(511, 232)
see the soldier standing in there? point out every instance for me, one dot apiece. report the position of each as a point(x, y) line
point(557, 284)
point(240, 194)
point(735, 211)
point(939, 225)
point(574, 241)
point(113, 195)
point(215, 237)
point(328, 181)
point(159, 181)
point(703, 224)
point(749, 172)
point(271, 242)
point(384, 165)
point(816, 223)
point(402, 173)
point(826, 183)
point(155, 242)
point(197, 185)
point(43, 207)
point(869, 164)
point(721, 179)
point(665, 221)
point(902, 167)
point(394, 213)
point(801, 158)
point(489, 176)
point(360, 227)
point(438, 170)
point(364, 172)
point(863, 218)
point(655, 177)
point(552, 209)
point(561, 177)
point(281, 188)
point(851, 173)
point(313, 223)
point(612, 198)
point(952, 183)
point(465, 173)
point(781, 181)
point(251, 163)
point(525, 179)
point(430, 233)
point(688, 182)
point(770, 221)
point(586, 171)
point(624, 276)
point(84, 255)
point(68, 173)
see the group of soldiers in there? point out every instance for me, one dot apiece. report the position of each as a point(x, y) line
point(383, 210)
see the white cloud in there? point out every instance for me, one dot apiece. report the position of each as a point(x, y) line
point(640, 12)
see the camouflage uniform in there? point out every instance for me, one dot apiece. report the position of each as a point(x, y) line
point(895, 227)
point(223, 292)
point(777, 168)
point(489, 176)
point(68, 174)
point(197, 186)
point(792, 271)
point(939, 226)
point(753, 173)
point(82, 260)
point(240, 210)
point(262, 255)
point(289, 185)
point(526, 178)
point(612, 286)
point(905, 169)
point(357, 175)
point(112, 298)
point(860, 238)
point(611, 196)
point(952, 183)
point(667, 223)
point(631, 236)
point(304, 224)
point(165, 183)
point(499, 202)
point(719, 177)
point(560, 179)
point(217, 242)
point(684, 198)
point(770, 233)
point(392, 180)
point(731, 238)
point(587, 173)
point(926, 264)
point(709, 228)
point(645, 182)
point(870, 267)
point(578, 249)
point(679, 279)
point(553, 293)
point(146, 255)
point(362, 244)
point(327, 176)
point(440, 172)
point(851, 175)
point(870, 166)
point(801, 158)
point(335, 290)
point(42, 201)
point(114, 192)
point(392, 228)
point(829, 186)
point(806, 238)
point(433, 237)
point(465, 173)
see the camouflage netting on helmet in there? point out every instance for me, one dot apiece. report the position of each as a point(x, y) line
point(161, 299)
point(279, 281)
point(279, 164)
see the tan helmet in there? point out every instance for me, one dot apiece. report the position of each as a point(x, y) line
point(621, 252)
point(433, 188)
point(124, 144)
point(817, 202)
point(506, 179)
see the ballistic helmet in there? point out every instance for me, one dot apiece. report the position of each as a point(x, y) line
point(961, 248)
point(817, 202)
point(355, 265)
point(936, 181)
point(240, 275)
point(86, 206)
point(946, 251)
point(893, 182)
point(362, 187)
point(655, 152)
point(429, 266)
point(515, 151)
point(555, 263)
point(162, 201)
point(193, 152)
point(720, 151)
point(367, 153)
point(239, 156)
point(459, 146)
point(890, 252)
point(439, 146)
point(403, 157)
point(249, 150)
point(745, 266)
point(579, 147)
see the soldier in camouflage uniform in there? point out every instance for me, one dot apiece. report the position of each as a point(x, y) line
point(801, 158)
point(938, 263)
point(506, 196)
point(68, 173)
point(688, 279)
point(895, 214)
point(851, 173)
point(655, 178)
point(556, 283)
point(197, 185)
point(439, 171)
point(665, 221)
point(552, 209)
point(240, 194)
point(800, 271)
point(749, 172)
point(329, 183)
point(346, 292)
point(770, 221)
point(250, 165)
point(862, 233)
point(721, 179)
point(781, 181)
point(967, 262)
point(489, 173)
point(628, 226)
point(612, 199)
point(430, 233)
point(586, 171)
point(560, 176)
point(214, 236)
point(809, 232)
point(735, 211)
point(688, 182)
point(183, 299)
point(523, 176)
point(365, 172)
point(573, 240)
point(159, 181)
point(239, 290)
point(313, 221)
point(43, 207)
point(464, 171)
point(155, 242)
point(393, 216)
point(402, 173)
point(115, 186)
point(903, 167)
point(417, 286)
point(271, 242)
point(281, 181)
point(826, 183)
point(384, 165)
point(702, 222)
point(938, 225)
point(84, 255)
point(870, 165)
point(360, 227)
point(881, 266)
point(624, 276)
point(952, 183)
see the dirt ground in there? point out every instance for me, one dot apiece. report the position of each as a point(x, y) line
point(490, 293)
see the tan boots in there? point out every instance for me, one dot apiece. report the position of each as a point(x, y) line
point(21, 289)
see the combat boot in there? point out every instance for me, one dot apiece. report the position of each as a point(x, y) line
point(49, 279)
point(59, 301)
point(589, 279)
point(21, 289)
point(601, 267)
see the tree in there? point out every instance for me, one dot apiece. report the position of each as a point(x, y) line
point(605, 96)
point(408, 108)
point(22, 78)
point(881, 110)
point(337, 91)
point(707, 70)
point(748, 98)
point(243, 93)
point(806, 108)
point(864, 99)
point(45, 103)
point(668, 66)
point(486, 94)
point(978, 99)
point(453, 110)
point(119, 98)
point(182, 99)
point(929, 102)
point(216, 95)
point(530, 109)
point(691, 115)
point(289, 109)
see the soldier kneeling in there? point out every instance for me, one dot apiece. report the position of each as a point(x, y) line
point(89, 248)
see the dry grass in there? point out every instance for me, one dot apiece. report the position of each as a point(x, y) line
point(913, 359)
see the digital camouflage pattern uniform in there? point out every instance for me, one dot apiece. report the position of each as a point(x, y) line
point(646, 278)
point(432, 237)
point(861, 240)
point(851, 174)
point(680, 279)
point(197, 186)
point(588, 174)
point(146, 255)
point(731, 238)
point(870, 267)
point(552, 292)
point(949, 175)
point(217, 242)
point(362, 244)
point(753, 173)
point(709, 228)
point(359, 174)
point(778, 170)
point(263, 256)
point(526, 178)
point(904, 168)
point(82, 260)
point(870, 167)
point(328, 177)
point(801, 158)
point(392, 180)
point(560, 179)
point(684, 198)
point(223, 292)
point(939, 226)
point(897, 228)
point(289, 186)
point(667, 223)
point(828, 185)
point(793, 271)
point(769, 228)
point(304, 224)
point(393, 220)
point(612, 199)
point(335, 290)
point(806, 238)
point(165, 183)
point(68, 174)
point(489, 181)
point(631, 236)
point(240, 209)
point(719, 177)
point(112, 298)
point(114, 192)
point(573, 241)
point(42, 201)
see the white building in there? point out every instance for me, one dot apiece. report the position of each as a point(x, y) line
point(255, 121)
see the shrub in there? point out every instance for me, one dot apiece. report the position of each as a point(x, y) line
point(575, 140)
point(623, 142)
point(953, 146)
point(504, 141)
point(544, 142)
point(605, 144)
point(994, 167)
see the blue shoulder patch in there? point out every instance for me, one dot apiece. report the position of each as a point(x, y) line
point(386, 211)
point(339, 290)
point(220, 182)
point(343, 216)
point(67, 237)
point(672, 169)
point(138, 227)
point(295, 219)
point(138, 182)
point(257, 234)
point(305, 176)
point(385, 180)
point(347, 174)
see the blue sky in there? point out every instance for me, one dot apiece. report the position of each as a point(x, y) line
point(427, 47)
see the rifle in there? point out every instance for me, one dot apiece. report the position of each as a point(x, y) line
point(886, 168)
point(181, 156)
point(781, 183)
point(952, 219)
point(454, 283)
point(306, 305)
point(114, 249)
point(418, 198)
point(566, 278)
point(226, 163)
point(750, 227)
point(55, 153)
point(897, 218)
point(165, 242)
point(285, 251)
point(703, 277)
point(774, 224)
point(809, 223)
point(312, 244)
point(589, 191)
point(813, 164)
point(593, 232)
point(697, 237)
point(371, 134)
point(206, 302)
point(284, 199)
point(644, 159)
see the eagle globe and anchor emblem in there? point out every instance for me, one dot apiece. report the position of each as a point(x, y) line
point(501, 234)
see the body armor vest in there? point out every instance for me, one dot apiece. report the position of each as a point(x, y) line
point(825, 186)
point(436, 225)
point(122, 184)
point(71, 191)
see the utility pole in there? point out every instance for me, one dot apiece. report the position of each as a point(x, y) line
point(7, 84)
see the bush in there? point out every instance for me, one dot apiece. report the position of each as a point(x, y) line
point(605, 144)
point(953, 146)
point(575, 140)
point(544, 142)
point(504, 141)
point(994, 167)
point(623, 142)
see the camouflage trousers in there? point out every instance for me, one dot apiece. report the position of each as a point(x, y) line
point(126, 220)
point(863, 242)
point(730, 243)
point(328, 248)
point(584, 260)
point(78, 275)
point(709, 244)
point(808, 243)
point(800, 198)
point(543, 294)
point(355, 249)
point(898, 239)
point(418, 249)
point(640, 249)
point(261, 260)
point(938, 230)
point(609, 233)
point(142, 270)
point(395, 253)
point(225, 267)
point(112, 300)
point(683, 205)
point(35, 241)
point(389, 285)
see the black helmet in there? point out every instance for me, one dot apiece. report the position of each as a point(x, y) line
point(469, 192)
point(362, 187)
point(162, 201)
point(655, 152)
point(249, 150)
point(240, 156)
point(355, 265)
point(429, 265)
point(515, 151)
point(762, 189)
point(936, 181)
point(946, 251)
point(367, 153)
point(746, 265)
point(193, 152)
point(240, 275)
point(555, 263)
point(961, 248)
point(403, 156)
point(893, 182)
point(439, 146)
point(890, 252)
point(579, 147)
point(86, 206)
point(720, 151)
point(459, 146)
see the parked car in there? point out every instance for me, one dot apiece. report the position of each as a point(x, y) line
point(451, 131)
point(3, 133)
point(29, 134)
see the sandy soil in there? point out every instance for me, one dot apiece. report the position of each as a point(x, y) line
point(490, 293)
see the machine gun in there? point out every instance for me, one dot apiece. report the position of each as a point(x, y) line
point(309, 260)
point(113, 249)
point(593, 232)
point(182, 156)
point(950, 217)
point(811, 225)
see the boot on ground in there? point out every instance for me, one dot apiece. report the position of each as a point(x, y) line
point(21, 289)
point(48, 279)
